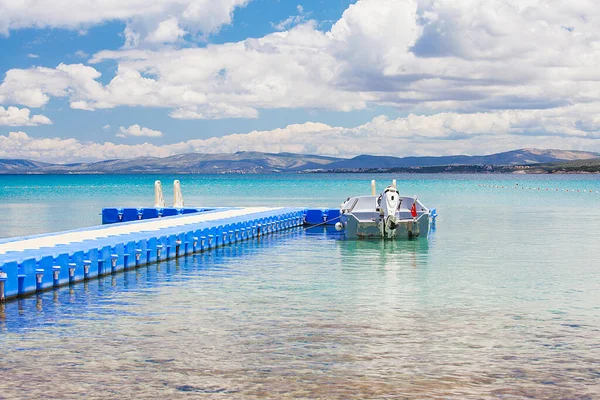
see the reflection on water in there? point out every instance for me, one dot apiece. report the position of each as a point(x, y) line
point(305, 314)
point(387, 254)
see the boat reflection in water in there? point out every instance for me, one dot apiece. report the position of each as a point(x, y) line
point(382, 254)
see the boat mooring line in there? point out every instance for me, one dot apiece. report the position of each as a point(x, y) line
point(328, 222)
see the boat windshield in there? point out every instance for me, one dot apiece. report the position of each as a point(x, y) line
point(349, 205)
point(365, 203)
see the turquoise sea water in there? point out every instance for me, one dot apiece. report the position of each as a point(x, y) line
point(501, 301)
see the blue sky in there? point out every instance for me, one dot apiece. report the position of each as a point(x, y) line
point(54, 46)
point(338, 77)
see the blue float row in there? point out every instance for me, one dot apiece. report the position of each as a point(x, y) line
point(321, 216)
point(114, 215)
point(29, 271)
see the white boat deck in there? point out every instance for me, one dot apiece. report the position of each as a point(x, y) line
point(61, 238)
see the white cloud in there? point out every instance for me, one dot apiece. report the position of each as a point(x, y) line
point(20, 145)
point(168, 31)
point(228, 81)
point(132, 37)
point(144, 19)
point(35, 86)
point(31, 55)
point(288, 22)
point(572, 127)
point(575, 127)
point(137, 131)
point(106, 127)
point(81, 105)
point(413, 55)
point(214, 111)
point(13, 116)
point(490, 75)
point(292, 20)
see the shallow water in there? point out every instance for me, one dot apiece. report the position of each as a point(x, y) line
point(501, 301)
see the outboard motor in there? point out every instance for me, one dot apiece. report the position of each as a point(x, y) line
point(390, 201)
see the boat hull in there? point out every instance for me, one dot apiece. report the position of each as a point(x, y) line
point(405, 229)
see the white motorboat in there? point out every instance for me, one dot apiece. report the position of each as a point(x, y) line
point(388, 215)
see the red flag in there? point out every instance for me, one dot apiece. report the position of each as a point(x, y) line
point(413, 210)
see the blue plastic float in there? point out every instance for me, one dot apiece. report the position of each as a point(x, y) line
point(106, 251)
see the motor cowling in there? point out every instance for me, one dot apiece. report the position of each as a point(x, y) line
point(390, 201)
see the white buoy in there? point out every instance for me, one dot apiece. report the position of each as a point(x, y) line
point(177, 195)
point(394, 184)
point(339, 226)
point(373, 189)
point(159, 199)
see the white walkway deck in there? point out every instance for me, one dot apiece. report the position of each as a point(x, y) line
point(53, 239)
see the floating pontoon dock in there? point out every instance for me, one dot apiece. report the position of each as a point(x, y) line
point(133, 237)
point(37, 263)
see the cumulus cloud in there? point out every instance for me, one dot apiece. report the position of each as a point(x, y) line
point(416, 55)
point(21, 145)
point(14, 116)
point(573, 127)
point(168, 31)
point(138, 131)
point(576, 127)
point(33, 87)
point(473, 76)
point(144, 19)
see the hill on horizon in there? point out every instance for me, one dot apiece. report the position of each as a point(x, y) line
point(514, 157)
point(257, 162)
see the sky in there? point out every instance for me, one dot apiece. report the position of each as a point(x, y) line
point(85, 81)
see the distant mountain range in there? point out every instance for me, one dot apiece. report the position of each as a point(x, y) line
point(255, 162)
point(515, 157)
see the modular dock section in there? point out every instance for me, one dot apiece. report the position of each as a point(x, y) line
point(37, 263)
point(41, 262)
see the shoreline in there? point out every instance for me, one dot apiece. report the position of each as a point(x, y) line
point(445, 170)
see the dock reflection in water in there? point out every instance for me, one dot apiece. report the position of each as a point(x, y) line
point(304, 314)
